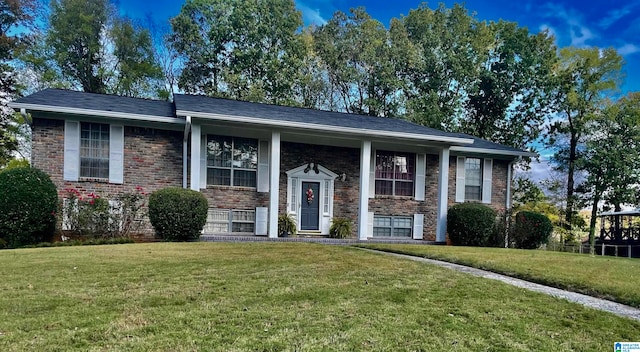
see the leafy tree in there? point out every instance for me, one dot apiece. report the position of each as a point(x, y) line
point(75, 33)
point(357, 52)
point(509, 99)
point(136, 68)
point(13, 13)
point(583, 78)
point(444, 49)
point(88, 46)
point(243, 49)
point(612, 157)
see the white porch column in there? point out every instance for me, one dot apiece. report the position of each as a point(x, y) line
point(363, 210)
point(195, 157)
point(274, 184)
point(443, 196)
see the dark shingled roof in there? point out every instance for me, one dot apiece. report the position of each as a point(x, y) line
point(203, 104)
point(60, 98)
point(91, 101)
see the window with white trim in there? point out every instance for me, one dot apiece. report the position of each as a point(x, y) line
point(226, 220)
point(392, 226)
point(473, 179)
point(231, 161)
point(325, 209)
point(94, 150)
point(395, 173)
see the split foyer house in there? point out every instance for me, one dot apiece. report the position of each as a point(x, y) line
point(392, 178)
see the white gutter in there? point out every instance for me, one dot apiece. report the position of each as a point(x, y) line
point(185, 155)
point(101, 113)
point(325, 128)
point(467, 149)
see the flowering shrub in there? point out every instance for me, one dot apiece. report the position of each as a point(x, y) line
point(93, 216)
point(531, 230)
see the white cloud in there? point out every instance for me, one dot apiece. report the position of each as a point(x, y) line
point(310, 16)
point(614, 15)
point(628, 49)
point(578, 31)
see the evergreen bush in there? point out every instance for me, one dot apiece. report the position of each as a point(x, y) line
point(531, 230)
point(28, 206)
point(471, 224)
point(177, 214)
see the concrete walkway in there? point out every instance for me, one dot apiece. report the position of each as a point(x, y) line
point(588, 301)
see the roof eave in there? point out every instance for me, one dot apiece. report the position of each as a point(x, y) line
point(100, 113)
point(514, 153)
point(326, 128)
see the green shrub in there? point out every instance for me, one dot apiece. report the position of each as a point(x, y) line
point(286, 225)
point(471, 224)
point(531, 230)
point(340, 228)
point(177, 214)
point(28, 205)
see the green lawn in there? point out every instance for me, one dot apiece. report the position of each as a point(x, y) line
point(273, 297)
point(612, 278)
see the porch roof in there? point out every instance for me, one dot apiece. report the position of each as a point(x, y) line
point(310, 119)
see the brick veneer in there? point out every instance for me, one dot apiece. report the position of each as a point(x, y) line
point(152, 159)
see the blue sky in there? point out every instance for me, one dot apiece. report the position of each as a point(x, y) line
point(583, 23)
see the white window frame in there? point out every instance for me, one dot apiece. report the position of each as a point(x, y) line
point(486, 170)
point(231, 168)
point(394, 180)
point(227, 220)
point(392, 227)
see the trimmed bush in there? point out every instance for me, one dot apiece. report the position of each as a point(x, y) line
point(531, 230)
point(340, 228)
point(28, 205)
point(471, 224)
point(177, 214)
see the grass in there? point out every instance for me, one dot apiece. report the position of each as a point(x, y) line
point(612, 278)
point(275, 297)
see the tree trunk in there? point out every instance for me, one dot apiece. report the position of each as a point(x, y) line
point(573, 145)
point(592, 225)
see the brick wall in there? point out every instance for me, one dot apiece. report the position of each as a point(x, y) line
point(152, 159)
point(337, 159)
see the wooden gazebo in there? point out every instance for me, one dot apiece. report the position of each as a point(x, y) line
point(621, 231)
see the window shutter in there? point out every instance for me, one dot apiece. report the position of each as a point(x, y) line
point(262, 216)
point(372, 175)
point(460, 183)
point(203, 162)
point(421, 169)
point(71, 170)
point(370, 224)
point(418, 224)
point(263, 166)
point(116, 154)
point(487, 175)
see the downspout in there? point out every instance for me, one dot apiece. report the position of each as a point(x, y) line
point(24, 114)
point(508, 202)
point(185, 154)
